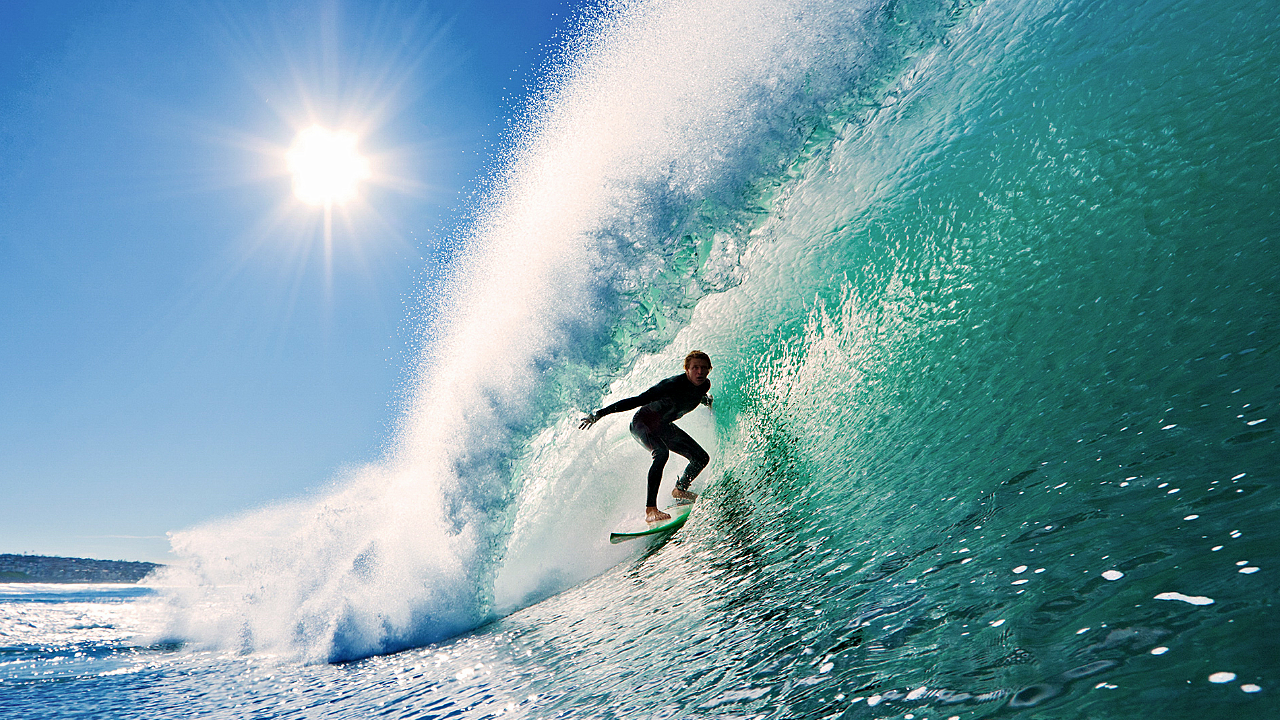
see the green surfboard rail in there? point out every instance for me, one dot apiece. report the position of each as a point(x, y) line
point(679, 514)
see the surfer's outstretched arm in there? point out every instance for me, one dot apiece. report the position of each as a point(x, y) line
point(628, 404)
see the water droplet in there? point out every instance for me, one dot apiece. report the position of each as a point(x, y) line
point(1250, 688)
point(1222, 677)
point(1159, 650)
point(1113, 574)
point(1020, 569)
point(1191, 517)
point(1249, 570)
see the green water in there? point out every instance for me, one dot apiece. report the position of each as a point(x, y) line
point(1041, 334)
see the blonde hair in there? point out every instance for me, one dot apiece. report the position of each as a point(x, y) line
point(696, 355)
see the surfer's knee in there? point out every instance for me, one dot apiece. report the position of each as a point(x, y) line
point(691, 471)
point(699, 459)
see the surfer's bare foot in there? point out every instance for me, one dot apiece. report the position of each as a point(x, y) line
point(653, 514)
point(679, 494)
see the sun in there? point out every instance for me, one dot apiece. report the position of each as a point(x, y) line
point(326, 167)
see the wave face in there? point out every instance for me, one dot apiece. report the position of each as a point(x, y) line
point(991, 294)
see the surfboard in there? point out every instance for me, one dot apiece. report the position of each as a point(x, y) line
point(639, 529)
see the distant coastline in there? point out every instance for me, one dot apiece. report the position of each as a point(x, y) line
point(43, 569)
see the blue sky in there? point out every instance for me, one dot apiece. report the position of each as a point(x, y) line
point(176, 344)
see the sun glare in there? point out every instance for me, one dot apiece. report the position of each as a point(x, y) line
point(326, 166)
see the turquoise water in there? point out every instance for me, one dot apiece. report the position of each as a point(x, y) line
point(990, 289)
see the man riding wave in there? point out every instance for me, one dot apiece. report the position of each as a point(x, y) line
point(653, 426)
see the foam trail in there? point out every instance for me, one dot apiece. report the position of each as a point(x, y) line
point(627, 198)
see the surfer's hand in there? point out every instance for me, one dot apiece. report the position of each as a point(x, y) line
point(706, 399)
point(588, 421)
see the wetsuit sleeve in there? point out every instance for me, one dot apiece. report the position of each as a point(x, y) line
point(620, 406)
point(631, 403)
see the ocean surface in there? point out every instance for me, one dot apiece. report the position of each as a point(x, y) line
point(991, 293)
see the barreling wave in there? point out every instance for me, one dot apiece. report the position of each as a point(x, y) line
point(632, 193)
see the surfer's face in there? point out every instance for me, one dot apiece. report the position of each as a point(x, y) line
point(697, 371)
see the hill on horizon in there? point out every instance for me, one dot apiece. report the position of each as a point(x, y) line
point(45, 569)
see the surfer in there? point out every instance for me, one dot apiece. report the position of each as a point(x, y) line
point(653, 427)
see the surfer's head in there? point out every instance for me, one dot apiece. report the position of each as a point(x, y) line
point(697, 365)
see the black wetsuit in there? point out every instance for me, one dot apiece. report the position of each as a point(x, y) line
point(652, 425)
